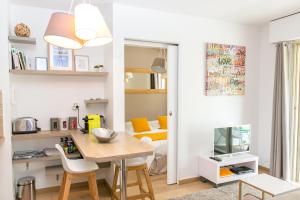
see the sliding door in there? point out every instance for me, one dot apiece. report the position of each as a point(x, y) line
point(172, 113)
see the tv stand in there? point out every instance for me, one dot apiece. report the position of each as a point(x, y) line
point(209, 169)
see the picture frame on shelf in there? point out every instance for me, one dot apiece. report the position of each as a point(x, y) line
point(41, 63)
point(60, 59)
point(81, 63)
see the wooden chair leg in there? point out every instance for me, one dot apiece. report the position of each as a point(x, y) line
point(138, 175)
point(115, 182)
point(93, 186)
point(148, 180)
point(65, 189)
point(63, 182)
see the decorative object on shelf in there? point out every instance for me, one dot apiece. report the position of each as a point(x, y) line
point(60, 58)
point(72, 123)
point(225, 69)
point(81, 63)
point(54, 124)
point(98, 68)
point(64, 124)
point(41, 64)
point(87, 28)
point(22, 30)
point(19, 61)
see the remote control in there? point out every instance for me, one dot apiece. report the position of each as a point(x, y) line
point(216, 159)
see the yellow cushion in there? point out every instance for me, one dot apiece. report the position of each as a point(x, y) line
point(163, 122)
point(153, 136)
point(140, 125)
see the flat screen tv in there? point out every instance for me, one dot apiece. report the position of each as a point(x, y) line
point(229, 140)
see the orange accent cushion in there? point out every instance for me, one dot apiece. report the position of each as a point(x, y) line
point(163, 122)
point(153, 136)
point(140, 125)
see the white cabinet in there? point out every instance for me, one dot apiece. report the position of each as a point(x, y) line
point(210, 169)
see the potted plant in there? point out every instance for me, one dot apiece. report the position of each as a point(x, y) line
point(98, 68)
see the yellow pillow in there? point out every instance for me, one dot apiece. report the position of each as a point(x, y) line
point(163, 122)
point(140, 125)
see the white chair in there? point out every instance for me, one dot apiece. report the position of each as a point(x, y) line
point(139, 165)
point(75, 169)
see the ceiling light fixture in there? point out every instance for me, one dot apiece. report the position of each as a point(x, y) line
point(61, 32)
point(86, 28)
point(87, 21)
point(103, 35)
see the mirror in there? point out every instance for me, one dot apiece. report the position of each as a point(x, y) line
point(145, 81)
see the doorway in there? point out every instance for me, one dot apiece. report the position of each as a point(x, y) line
point(151, 94)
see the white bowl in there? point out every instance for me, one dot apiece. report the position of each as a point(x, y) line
point(104, 135)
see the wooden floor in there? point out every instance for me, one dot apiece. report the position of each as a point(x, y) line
point(162, 191)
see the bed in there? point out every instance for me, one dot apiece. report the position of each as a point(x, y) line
point(157, 163)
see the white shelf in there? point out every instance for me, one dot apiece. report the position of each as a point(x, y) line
point(45, 158)
point(22, 40)
point(210, 169)
point(56, 73)
point(96, 101)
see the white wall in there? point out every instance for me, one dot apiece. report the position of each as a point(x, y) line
point(266, 85)
point(6, 180)
point(44, 97)
point(198, 114)
point(285, 29)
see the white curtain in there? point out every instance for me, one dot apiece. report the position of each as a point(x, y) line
point(292, 53)
point(285, 152)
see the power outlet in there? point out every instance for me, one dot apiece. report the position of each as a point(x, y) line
point(75, 106)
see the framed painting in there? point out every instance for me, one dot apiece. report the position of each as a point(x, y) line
point(60, 58)
point(225, 70)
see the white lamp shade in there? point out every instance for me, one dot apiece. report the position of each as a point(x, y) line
point(87, 21)
point(60, 31)
point(103, 35)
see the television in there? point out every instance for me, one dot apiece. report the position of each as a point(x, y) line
point(230, 140)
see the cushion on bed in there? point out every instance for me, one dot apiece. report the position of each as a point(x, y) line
point(153, 136)
point(140, 125)
point(163, 122)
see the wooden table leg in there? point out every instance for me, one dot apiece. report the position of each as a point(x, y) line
point(240, 190)
point(123, 180)
point(263, 196)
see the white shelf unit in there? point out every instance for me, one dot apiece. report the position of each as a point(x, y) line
point(210, 169)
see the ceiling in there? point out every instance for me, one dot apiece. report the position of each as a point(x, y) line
point(240, 11)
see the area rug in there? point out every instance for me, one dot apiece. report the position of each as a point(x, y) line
point(226, 192)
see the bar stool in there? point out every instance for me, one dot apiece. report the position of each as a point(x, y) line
point(75, 169)
point(138, 165)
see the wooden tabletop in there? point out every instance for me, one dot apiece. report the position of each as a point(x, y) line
point(122, 147)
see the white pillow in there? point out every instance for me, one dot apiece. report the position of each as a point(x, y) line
point(129, 127)
point(154, 124)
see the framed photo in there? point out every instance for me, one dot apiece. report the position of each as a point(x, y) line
point(81, 63)
point(60, 58)
point(41, 64)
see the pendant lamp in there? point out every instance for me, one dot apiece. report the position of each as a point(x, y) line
point(87, 21)
point(61, 31)
point(103, 35)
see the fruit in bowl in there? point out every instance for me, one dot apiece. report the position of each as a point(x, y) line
point(104, 135)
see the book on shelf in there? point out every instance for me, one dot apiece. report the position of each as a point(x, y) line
point(19, 61)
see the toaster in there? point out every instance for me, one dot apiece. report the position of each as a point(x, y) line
point(25, 125)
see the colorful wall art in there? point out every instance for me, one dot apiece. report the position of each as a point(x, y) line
point(225, 70)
